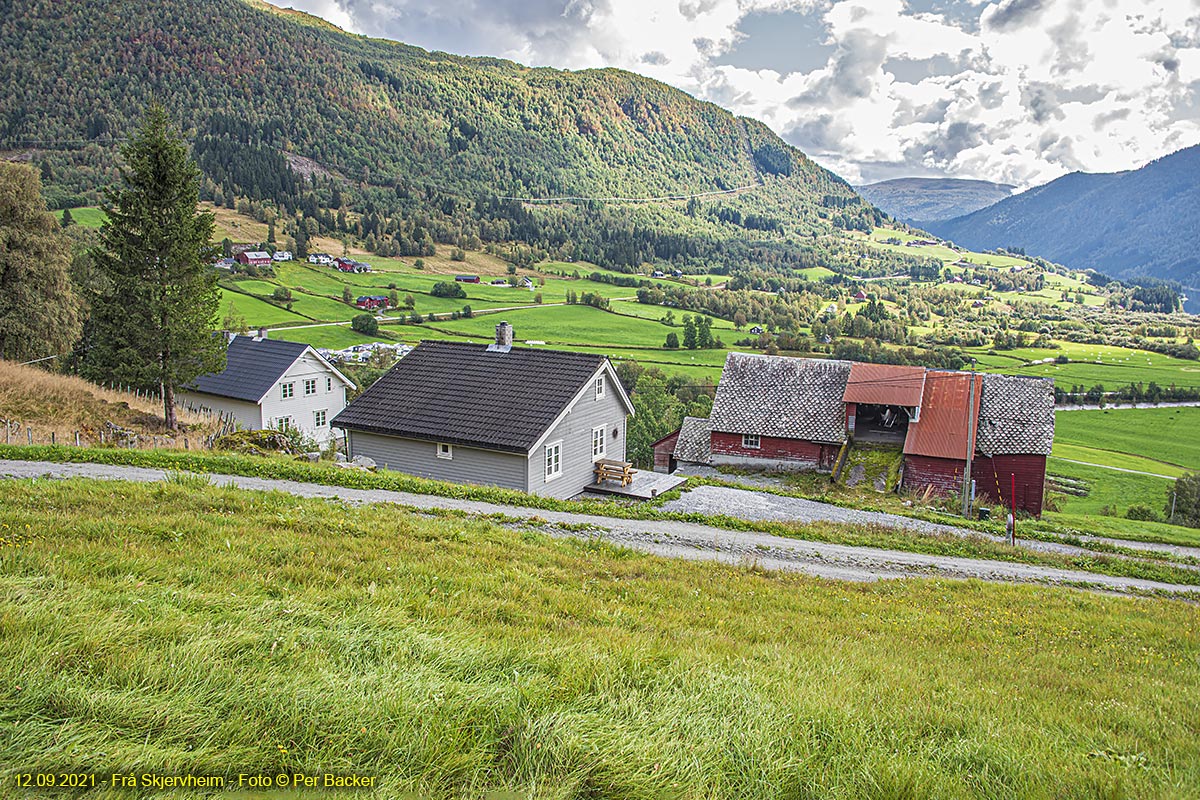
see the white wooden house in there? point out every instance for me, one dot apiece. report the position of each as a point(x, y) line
point(273, 384)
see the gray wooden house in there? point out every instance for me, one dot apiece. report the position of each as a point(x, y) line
point(520, 418)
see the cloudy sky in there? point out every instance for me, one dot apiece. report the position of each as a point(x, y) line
point(1016, 91)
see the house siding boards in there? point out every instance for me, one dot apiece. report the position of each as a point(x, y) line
point(664, 452)
point(727, 449)
point(994, 477)
point(943, 474)
point(248, 415)
point(575, 432)
point(300, 407)
point(419, 457)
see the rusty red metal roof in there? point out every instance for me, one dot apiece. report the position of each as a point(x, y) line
point(941, 431)
point(884, 384)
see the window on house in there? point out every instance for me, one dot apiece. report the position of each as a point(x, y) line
point(287, 391)
point(598, 446)
point(444, 450)
point(329, 384)
point(283, 423)
point(553, 460)
point(600, 387)
point(310, 386)
point(319, 418)
point(750, 441)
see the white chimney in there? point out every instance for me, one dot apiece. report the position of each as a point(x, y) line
point(504, 339)
point(262, 333)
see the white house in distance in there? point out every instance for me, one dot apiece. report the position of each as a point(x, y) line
point(272, 384)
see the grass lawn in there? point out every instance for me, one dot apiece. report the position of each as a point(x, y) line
point(86, 216)
point(182, 628)
point(1094, 455)
point(1170, 435)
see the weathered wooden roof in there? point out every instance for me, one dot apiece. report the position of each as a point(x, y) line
point(693, 444)
point(1016, 416)
point(788, 398)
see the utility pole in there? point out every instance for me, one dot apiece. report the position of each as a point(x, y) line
point(966, 489)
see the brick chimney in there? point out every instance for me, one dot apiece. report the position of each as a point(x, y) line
point(504, 339)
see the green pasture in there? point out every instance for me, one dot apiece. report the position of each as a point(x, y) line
point(256, 312)
point(457, 657)
point(86, 216)
point(1169, 436)
point(331, 337)
point(1092, 364)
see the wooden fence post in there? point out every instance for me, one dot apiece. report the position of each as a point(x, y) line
point(77, 438)
point(28, 434)
point(53, 438)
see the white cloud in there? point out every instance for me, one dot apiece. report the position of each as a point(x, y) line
point(1019, 91)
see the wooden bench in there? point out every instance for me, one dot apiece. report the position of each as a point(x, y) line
point(610, 470)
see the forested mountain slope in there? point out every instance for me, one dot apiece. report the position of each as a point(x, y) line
point(1125, 224)
point(412, 132)
point(920, 200)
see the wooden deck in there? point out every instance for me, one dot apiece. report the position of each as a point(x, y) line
point(644, 486)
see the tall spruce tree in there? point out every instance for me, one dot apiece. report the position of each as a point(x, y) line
point(39, 310)
point(153, 322)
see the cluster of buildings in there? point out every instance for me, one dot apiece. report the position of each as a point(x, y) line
point(777, 412)
point(538, 420)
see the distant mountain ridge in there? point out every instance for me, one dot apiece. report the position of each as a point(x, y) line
point(1125, 224)
point(920, 200)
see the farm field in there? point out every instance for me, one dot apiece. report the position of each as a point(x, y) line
point(1169, 436)
point(331, 337)
point(567, 325)
point(1109, 458)
point(455, 657)
point(1093, 364)
point(256, 312)
point(1117, 491)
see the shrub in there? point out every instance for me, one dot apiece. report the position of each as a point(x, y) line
point(365, 324)
point(1142, 512)
point(447, 289)
point(282, 294)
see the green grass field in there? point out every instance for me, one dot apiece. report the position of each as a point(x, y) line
point(1167, 435)
point(182, 628)
point(332, 337)
point(256, 312)
point(86, 216)
point(1092, 364)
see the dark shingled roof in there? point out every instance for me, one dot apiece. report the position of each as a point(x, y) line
point(251, 368)
point(788, 398)
point(463, 394)
point(1016, 416)
point(693, 444)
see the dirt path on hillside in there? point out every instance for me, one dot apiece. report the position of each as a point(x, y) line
point(665, 538)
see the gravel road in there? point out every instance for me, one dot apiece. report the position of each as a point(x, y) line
point(666, 538)
point(766, 506)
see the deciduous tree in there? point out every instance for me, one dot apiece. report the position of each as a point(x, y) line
point(39, 310)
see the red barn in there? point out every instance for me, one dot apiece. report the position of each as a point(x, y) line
point(777, 412)
point(255, 258)
point(1012, 436)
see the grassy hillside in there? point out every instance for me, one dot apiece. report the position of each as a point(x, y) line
point(183, 628)
point(1167, 435)
point(399, 129)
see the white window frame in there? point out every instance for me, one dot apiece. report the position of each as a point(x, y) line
point(600, 387)
point(557, 470)
point(328, 383)
point(310, 382)
point(284, 423)
point(320, 417)
point(445, 450)
point(287, 390)
point(751, 441)
point(599, 443)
